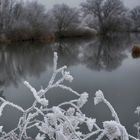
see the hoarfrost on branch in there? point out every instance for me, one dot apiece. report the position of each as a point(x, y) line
point(57, 123)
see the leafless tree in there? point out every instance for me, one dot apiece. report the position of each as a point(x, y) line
point(6, 19)
point(107, 12)
point(21, 20)
point(135, 15)
point(64, 17)
point(35, 14)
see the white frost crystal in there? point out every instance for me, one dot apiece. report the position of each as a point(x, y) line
point(83, 99)
point(2, 107)
point(40, 137)
point(60, 136)
point(51, 119)
point(1, 127)
point(137, 111)
point(57, 110)
point(90, 123)
point(43, 101)
point(70, 111)
point(114, 130)
point(68, 77)
point(99, 97)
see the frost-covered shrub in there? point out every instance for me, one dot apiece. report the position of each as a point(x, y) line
point(57, 123)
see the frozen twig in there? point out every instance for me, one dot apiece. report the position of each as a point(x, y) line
point(59, 123)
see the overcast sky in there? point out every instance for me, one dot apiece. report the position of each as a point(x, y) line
point(49, 3)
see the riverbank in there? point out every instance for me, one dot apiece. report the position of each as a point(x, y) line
point(43, 39)
point(46, 38)
point(79, 33)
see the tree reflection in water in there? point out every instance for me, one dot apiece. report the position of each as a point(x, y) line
point(18, 61)
point(104, 53)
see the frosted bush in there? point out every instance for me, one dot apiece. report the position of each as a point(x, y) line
point(137, 111)
point(114, 130)
point(82, 100)
point(99, 97)
point(40, 137)
point(57, 123)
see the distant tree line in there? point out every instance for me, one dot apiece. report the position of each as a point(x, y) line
point(20, 20)
point(111, 16)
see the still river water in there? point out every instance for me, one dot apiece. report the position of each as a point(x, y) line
point(100, 63)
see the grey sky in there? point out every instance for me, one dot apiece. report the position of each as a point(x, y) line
point(49, 3)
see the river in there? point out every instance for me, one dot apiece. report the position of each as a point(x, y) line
point(101, 63)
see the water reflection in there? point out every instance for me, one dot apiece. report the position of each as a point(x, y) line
point(105, 53)
point(21, 60)
point(91, 61)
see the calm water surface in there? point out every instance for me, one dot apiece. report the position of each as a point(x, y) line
point(101, 63)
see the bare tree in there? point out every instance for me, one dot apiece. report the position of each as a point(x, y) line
point(64, 17)
point(35, 14)
point(18, 10)
point(135, 15)
point(22, 20)
point(6, 19)
point(107, 12)
point(28, 21)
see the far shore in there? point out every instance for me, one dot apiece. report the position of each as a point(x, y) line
point(49, 38)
